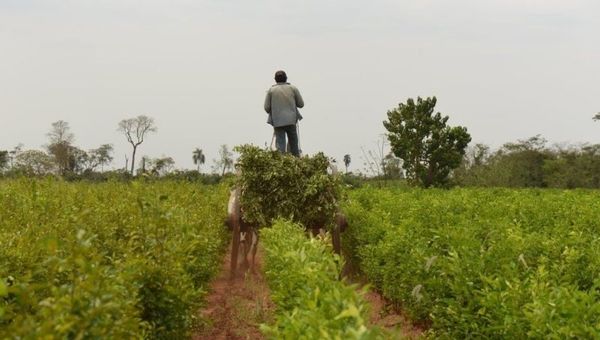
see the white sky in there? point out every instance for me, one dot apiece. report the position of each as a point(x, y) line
point(505, 69)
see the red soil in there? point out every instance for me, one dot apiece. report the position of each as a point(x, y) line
point(236, 308)
point(384, 316)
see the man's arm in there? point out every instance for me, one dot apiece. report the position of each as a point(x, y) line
point(298, 97)
point(268, 102)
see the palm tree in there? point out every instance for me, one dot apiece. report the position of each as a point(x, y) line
point(198, 157)
point(347, 161)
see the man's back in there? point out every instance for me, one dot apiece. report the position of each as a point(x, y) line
point(281, 102)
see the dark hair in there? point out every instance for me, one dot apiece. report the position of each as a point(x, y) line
point(280, 77)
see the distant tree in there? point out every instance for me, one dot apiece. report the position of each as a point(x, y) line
point(225, 160)
point(161, 166)
point(77, 158)
point(135, 130)
point(61, 148)
point(4, 159)
point(572, 167)
point(145, 163)
point(13, 153)
point(392, 167)
point(429, 148)
point(102, 155)
point(521, 164)
point(95, 158)
point(524, 163)
point(530, 163)
point(597, 117)
point(375, 159)
point(347, 161)
point(60, 132)
point(198, 157)
point(475, 166)
point(34, 162)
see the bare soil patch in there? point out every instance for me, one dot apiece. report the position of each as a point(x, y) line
point(236, 308)
point(383, 315)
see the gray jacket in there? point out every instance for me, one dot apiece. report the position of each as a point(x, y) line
point(282, 103)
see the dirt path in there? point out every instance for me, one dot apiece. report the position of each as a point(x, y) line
point(235, 309)
point(384, 316)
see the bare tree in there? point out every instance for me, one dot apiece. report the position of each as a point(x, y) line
point(14, 153)
point(4, 159)
point(61, 146)
point(60, 133)
point(135, 129)
point(374, 161)
point(225, 161)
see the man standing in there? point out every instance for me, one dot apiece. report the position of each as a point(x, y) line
point(282, 103)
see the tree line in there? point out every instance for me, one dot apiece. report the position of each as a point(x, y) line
point(62, 157)
point(425, 151)
point(432, 153)
point(531, 163)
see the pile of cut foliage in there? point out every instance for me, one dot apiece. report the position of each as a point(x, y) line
point(275, 185)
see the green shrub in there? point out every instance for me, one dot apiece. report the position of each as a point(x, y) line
point(312, 303)
point(483, 263)
point(106, 260)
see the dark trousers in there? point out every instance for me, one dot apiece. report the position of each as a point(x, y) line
point(292, 138)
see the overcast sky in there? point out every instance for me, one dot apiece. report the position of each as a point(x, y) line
point(505, 69)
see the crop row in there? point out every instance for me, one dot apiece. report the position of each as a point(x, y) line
point(111, 260)
point(303, 276)
point(483, 263)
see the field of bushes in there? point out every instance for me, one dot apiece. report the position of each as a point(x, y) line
point(111, 260)
point(482, 263)
point(312, 303)
point(134, 259)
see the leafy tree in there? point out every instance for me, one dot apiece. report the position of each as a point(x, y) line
point(198, 157)
point(102, 155)
point(161, 166)
point(429, 148)
point(392, 167)
point(135, 130)
point(77, 158)
point(34, 162)
point(597, 117)
point(225, 160)
point(95, 158)
point(347, 161)
point(530, 163)
point(474, 167)
point(521, 164)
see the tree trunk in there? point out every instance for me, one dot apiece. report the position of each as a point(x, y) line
point(133, 159)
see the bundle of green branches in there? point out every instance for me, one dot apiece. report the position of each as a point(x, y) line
point(275, 185)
